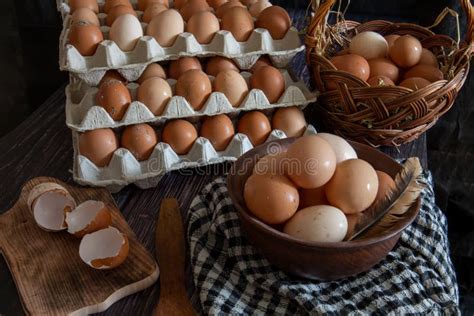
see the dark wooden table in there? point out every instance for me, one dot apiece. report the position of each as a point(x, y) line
point(41, 146)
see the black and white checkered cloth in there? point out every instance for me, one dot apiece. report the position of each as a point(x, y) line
point(231, 277)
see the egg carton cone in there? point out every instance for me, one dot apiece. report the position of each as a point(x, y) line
point(83, 114)
point(124, 169)
point(131, 64)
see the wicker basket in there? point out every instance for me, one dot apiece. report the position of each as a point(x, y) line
point(383, 115)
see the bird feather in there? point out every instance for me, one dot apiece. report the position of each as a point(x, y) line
point(385, 212)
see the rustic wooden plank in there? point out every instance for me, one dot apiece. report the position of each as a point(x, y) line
point(48, 271)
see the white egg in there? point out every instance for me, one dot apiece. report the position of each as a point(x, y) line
point(125, 32)
point(341, 147)
point(369, 45)
point(321, 223)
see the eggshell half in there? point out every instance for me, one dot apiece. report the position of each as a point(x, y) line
point(49, 202)
point(88, 217)
point(104, 249)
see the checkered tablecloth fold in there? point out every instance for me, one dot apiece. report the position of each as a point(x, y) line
point(231, 277)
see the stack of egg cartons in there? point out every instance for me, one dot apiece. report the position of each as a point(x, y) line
point(125, 131)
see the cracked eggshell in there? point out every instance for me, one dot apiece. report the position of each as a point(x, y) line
point(49, 202)
point(104, 249)
point(88, 217)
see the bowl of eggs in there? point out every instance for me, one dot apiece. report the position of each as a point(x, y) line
point(299, 200)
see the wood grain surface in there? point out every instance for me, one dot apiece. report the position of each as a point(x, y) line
point(41, 146)
point(47, 269)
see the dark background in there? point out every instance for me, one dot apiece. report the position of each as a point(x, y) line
point(29, 32)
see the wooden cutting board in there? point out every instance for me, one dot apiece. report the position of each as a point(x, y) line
point(48, 272)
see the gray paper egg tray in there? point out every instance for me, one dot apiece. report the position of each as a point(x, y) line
point(124, 169)
point(131, 64)
point(83, 114)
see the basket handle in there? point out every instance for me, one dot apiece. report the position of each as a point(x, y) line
point(315, 36)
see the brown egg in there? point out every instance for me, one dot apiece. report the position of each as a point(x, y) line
point(155, 93)
point(112, 75)
point(414, 83)
point(353, 187)
point(192, 7)
point(153, 10)
point(117, 11)
point(391, 39)
point(386, 184)
point(180, 66)
point(215, 4)
point(312, 197)
point(109, 4)
point(380, 81)
point(256, 126)
point(195, 87)
point(217, 64)
point(98, 145)
point(427, 72)
point(271, 164)
point(406, 51)
point(428, 58)
point(152, 70)
point(258, 6)
point(270, 81)
point(219, 130)
point(90, 4)
point(140, 140)
point(233, 85)
point(180, 135)
point(85, 14)
point(272, 199)
point(226, 6)
point(353, 64)
point(115, 98)
point(239, 22)
point(261, 62)
point(312, 162)
point(383, 67)
point(203, 25)
point(276, 20)
point(289, 120)
point(143, 5)
point(85, 37)
point(165, 27)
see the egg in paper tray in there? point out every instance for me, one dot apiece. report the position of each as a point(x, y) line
point(132, 64)
point(83, 114)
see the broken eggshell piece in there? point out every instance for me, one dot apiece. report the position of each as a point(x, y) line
point(49, 203)
point(88, 217)
point(104, 249)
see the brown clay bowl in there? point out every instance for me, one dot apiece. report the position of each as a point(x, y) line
point(315, 260)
